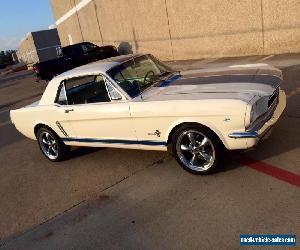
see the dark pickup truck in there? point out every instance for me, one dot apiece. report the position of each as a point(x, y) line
point(71, 57)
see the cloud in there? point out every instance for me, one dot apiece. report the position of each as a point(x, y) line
point(52, 26)
point(9, 43)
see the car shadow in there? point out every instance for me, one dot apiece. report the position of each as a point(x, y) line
point(81, 151)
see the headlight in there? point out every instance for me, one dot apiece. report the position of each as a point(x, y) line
point(258, 108)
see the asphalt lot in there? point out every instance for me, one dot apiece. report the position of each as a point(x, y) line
point(129, 199)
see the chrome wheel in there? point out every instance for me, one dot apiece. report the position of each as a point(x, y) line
point(48, 145)
point(195, 150)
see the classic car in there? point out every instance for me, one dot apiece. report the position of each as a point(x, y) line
point(137, 102)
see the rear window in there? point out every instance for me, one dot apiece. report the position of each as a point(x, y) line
point(72, 50)
point(88, 47)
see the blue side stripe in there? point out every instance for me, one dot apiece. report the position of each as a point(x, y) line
point(113, 141)
point(169, 81)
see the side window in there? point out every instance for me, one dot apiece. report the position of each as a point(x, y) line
point(61, 95)
point(114, 94)
point(73, 50)
point(86, 89)
point(87, 47)
point(68, 51)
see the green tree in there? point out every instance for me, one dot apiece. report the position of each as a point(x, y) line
point(6, 57)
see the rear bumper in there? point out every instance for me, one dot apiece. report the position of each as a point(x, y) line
point(253, 136)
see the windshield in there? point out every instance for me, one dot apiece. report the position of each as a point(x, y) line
point(139, 73)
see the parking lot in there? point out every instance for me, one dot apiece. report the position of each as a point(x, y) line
point(129, 199)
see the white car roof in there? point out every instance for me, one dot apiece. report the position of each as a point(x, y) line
point(99, 67)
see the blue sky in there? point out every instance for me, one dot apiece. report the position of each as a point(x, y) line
point(21, 16)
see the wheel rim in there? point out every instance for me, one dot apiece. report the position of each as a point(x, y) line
point(195, 150)
point(49, 145)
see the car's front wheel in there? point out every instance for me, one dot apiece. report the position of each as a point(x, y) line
point(197, 149)
point(51, 145)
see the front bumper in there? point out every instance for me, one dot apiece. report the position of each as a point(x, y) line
point(254, 134)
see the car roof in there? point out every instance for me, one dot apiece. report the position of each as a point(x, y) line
point(98, 67)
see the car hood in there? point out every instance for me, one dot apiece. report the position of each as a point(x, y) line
point(237, 82)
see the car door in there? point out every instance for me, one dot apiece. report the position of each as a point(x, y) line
point(97, 113)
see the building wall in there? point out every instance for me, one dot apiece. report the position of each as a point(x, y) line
point(46, 43)
point(69, 26)
point(27, 52)
point(176, 29)
point(281, 26)
point(39, 46)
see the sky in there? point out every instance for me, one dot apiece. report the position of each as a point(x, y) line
point(18, 17)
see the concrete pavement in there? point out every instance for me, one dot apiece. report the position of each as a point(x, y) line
point(112, 199)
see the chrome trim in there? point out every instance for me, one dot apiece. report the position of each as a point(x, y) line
point(246, 134)
point(60, 87)
point(116, 141)
point(107, 81)
point(117, 87)
point(61, 129)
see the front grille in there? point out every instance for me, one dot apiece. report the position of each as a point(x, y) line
point(273, 97)
point(261, 120)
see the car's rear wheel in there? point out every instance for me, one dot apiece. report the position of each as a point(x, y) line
point(51, 145)
point(197, 149)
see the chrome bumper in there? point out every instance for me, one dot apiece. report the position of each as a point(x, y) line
point(263, 127)
point(246, 134)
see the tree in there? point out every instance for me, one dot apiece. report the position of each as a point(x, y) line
point(6, 57)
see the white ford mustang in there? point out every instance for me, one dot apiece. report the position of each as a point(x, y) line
point(137, 102)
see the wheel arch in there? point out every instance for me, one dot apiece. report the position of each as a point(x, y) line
point(41, 125)
point(181, 124)
point(62, 149)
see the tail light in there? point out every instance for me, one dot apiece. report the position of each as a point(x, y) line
point(36, 68)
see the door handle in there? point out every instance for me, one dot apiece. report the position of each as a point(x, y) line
point(68, 110)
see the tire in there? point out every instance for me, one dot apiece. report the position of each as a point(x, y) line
point(51, 146)
point(197, 149)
